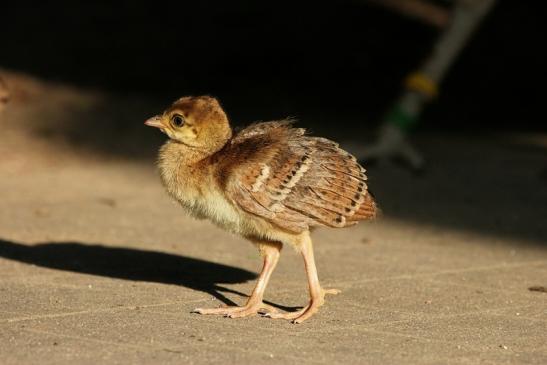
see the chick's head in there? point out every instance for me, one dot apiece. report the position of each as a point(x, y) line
point(198, 122)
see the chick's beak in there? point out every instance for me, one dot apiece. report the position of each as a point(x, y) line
point(154, 122)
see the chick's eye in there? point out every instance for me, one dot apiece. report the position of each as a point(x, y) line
point(177, 120)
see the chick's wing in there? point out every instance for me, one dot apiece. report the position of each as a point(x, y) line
point(275, 172)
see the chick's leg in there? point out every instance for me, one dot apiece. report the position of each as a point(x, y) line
point(317, 293)
point(270, 253)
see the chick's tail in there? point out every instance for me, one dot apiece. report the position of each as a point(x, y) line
point(367, 210)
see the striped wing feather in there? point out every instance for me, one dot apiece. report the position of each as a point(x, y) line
point(294, 181)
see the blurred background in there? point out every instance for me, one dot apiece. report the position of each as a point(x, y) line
point(83, 76)
point(342, 59)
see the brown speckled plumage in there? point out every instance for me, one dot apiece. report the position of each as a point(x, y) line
point(294, 181)
point(269, 183)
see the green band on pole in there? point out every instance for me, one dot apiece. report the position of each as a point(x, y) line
point(401, 119)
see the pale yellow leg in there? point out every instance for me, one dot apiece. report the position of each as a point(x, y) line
point(317, 293)
point(270, 252)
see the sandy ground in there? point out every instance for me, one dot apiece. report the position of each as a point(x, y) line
point(97, 265)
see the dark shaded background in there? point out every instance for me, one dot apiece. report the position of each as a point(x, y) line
point(316, 61)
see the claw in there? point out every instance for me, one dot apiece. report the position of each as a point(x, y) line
point(306, 312)
point(237, 312)
point(288, 316)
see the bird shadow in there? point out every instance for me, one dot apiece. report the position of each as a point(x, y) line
point(133, 264)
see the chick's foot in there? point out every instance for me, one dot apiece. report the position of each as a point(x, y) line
point(306, 312)
point(238, 312)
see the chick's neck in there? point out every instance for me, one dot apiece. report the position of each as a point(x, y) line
point(181, 154)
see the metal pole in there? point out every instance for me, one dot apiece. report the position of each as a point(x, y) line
point(422, 86)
